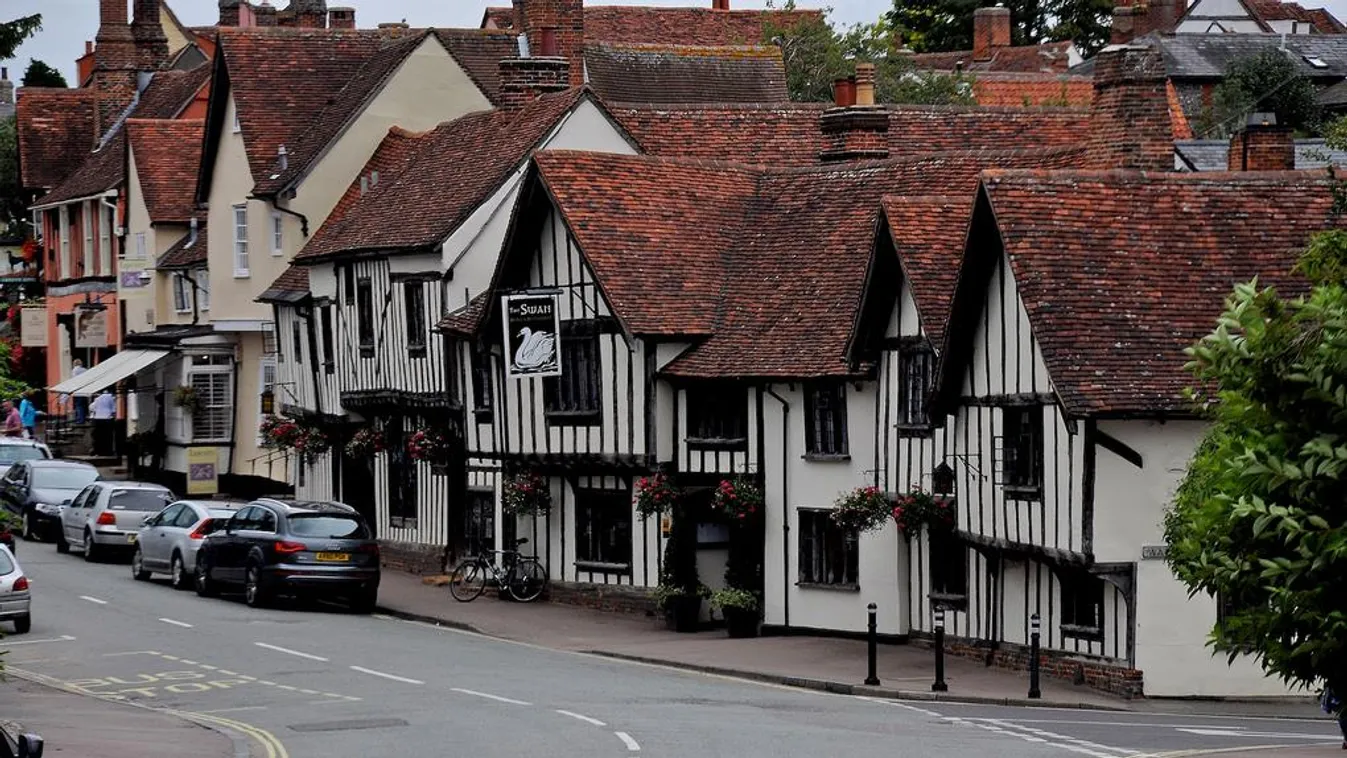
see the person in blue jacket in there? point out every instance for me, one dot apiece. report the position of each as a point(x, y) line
point(28, 415)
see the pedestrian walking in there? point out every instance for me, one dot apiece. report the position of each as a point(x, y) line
point(28, 415)
point(105, 419)
point(1333, 706)
point(13, 424)
point(81, 403)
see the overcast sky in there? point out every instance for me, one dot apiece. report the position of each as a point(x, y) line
point(68, 23)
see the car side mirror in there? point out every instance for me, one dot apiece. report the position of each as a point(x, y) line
point(30, 746)
point(64, 503)
point(148, 521)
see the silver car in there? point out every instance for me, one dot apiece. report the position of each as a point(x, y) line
point(168, 540)
point(107, 516)
point(16, 597)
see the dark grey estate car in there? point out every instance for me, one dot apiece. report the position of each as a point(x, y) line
point(276, 547)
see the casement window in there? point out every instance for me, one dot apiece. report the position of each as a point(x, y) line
point(603, 529)
point(202, 278)
point(138, 249)
point(479, 522)
point(105, 240)
point(574, 397)
point(826, 420)
point(828, 553)
point(947, 561)
point(182, 292)
point(214, 386)
point(414, 298)
point(329, 355)
point(87, 254)
point(1022, 451)
point(364, 316)
point(402, 476)
point(1082, 604)
point(66, 264)
point(914, 387)
point(266, 380)
point(277, 234)
point(718, 416)
point(481, 385)
point(297, 333)
point(241, 266)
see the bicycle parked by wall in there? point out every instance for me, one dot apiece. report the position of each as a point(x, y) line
point(522, 576)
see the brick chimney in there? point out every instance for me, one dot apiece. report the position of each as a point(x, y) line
point(309, 14)
point(1129, 119)
point(720, 5)
point(856, 129)
point(566, 20)
point(148, 31)
point(229, 12)
point(523, 80)
point(6, 87)
point(1263, 146)
point(341, 18)
point(1124, 25)
point(991, 31)
point(115, 61)
point(264, 14)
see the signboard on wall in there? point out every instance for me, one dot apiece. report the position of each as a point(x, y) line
point(91, 327)
point(532, 328)
point(132, 278)
point(202, 470)
point(33, 327)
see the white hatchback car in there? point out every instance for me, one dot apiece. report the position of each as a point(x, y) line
point(16, 597)
point(107, 516)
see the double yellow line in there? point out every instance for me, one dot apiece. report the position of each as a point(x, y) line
point(268, 741)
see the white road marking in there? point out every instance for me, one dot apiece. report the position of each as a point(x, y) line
point(93, 600)
point(905, 706)
point(993, 725)
point(235, 710)
point(582, 717)
point(1242, 733)
point(1058, 738)
point(489, 696)
point(632, 745)
point(182, 624)
point(394, 677)
point(287, 650)
point(62, 638)
point(130, 652)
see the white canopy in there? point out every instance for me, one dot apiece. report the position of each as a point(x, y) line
point(109, 372)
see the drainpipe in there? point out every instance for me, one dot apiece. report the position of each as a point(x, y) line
point(303, 220)
point(785, 504)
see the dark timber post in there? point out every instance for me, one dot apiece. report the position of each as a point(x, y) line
point(872, 640)
point(940, 685)
point(1034, 625)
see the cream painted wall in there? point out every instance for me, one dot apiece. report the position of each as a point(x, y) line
point(141, 310)
point(249, 458)
point(231, 181)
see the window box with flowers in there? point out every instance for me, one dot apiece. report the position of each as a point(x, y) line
point(654, 495)
point(526, 493)
point(918, 508)
point(864, 509)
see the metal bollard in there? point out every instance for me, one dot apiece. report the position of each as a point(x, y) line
point(1034, 625)
point(873, 640)
point(940, 685)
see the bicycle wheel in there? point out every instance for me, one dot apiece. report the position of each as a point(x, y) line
point(528, 580)
point(468, 581)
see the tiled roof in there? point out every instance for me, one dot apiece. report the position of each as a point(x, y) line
point(1214, 154)
point(421, 206)
point(672, 26)
point(56, 132)
point(186, 252)
point(686, 74)
point(788, 134)
point(291, 287)
point(1178, 121)
point(760, 261)
point(170, 92)
point(1048, 56)
point(1020, 89)
point(167, 155)
point(1206, 56)
point(928, 233)
point(464, 321)
point(1119, 272)
point(1276, 10)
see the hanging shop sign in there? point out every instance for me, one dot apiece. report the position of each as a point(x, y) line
point(91, 327)
point(532, 328)
point(33, 327)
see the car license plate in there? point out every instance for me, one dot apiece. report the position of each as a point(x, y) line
point(333, 557)
point(131, 538)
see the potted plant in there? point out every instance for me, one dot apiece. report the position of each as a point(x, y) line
point(186, 397)
point(680, 591)
point(863, 509)
point(741, 610)
point(920, 508)
point(366, 443)
point(526, 493)
point(654, 495)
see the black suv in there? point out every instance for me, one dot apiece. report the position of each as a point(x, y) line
point(276, 547)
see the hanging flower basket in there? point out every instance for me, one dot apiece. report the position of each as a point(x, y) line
point(279, 432)
point(187, 398)
point(310, 443)
point(920, 508)
point(526, 494)
point(737, 499)
point(654, 495)
point(428, 445)
point(864, 509)
point(366, 443)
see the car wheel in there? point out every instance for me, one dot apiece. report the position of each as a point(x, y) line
point(254, 591)
point(23, 624)
point(204, 586)
point(28, 533)
point(61, 545)
point(364, 601)
point(138, 571)
point(91, 551)
point(178, 572)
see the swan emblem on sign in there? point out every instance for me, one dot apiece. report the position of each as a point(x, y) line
point(537, 350)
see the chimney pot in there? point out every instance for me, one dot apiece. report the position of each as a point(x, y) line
point(844, 92)
point(720, 5)
point(88, 47)
point(865, 84)
point(341, 18)
point(548, 47)
point(1123, 29)
point(991, 30)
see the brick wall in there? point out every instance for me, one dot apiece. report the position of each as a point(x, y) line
point(855, 133)
point(619, 598)
point(1129, 120)
point(524, 79)
point(1263, 148)
point(411, 557)
point(1096, 673)
point(565, 19)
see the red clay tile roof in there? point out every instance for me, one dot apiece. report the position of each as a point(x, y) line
point(1119, 272)
point(498, 18)
point(186, 252)
point(465, 321)
point(686, 74)
point(1020, 89)
point(292, 286)
point(624, 24)
point(1177, 120)
point(421, 206)
point(1275, 10)
point(788, 134)
point(760, 261)
point(56, 132)
point(170, 92)
point(167, 155)
point(1048, 56)
point(928, 233)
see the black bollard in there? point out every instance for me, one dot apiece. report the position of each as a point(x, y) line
point(873, 641)
point(1034, 624)
point(940, 685)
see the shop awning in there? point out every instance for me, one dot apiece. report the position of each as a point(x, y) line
point(109, 372)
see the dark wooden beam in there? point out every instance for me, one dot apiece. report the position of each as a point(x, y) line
point(1118, 448)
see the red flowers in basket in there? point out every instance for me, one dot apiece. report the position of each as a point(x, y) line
point(428, 445)
point(654, 495)
point(737, 499)
point(917, 508)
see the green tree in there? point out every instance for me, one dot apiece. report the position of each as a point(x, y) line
point(1267, 82)
point(39, 74)
point(13, 33)
point(1259, 520)
point(13, 200)
point(946, 25)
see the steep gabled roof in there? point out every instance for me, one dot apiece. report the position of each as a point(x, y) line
point(290, 287)
point(56, 131)
point(1207, 56)
point(186, 252)
point(1044, 57)
point(928, 233)
point(465, 321)
point(662, 73)
point(1118, 278)
point(167, 154)
point(419, 207)
point(1267, 11)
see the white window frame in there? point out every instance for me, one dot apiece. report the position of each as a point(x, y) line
point(87, 254)
point(241, 262)
point(262, 386)
point(104, 238)
point(138, 250)
point(277, 234)
point(202, 278)
point(182, 292)
point(64, 265)
point(228, 373)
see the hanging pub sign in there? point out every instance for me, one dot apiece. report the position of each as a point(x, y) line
point(532, 323)
point(33, 327)
point(91, 327)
